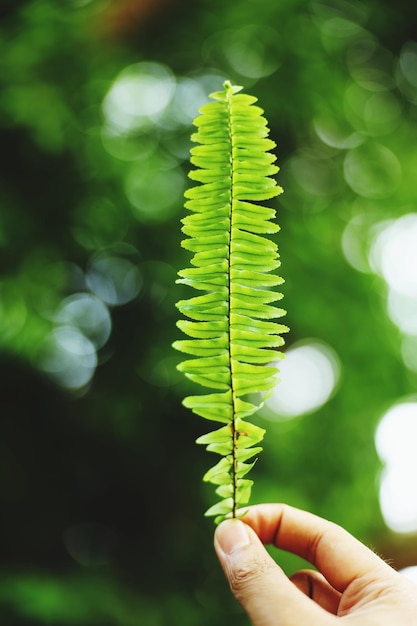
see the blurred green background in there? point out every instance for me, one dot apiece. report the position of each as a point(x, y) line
point(101, 496)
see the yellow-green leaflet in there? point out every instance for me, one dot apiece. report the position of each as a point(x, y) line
point(233, 338)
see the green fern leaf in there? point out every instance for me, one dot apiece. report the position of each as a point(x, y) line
point(232, 338)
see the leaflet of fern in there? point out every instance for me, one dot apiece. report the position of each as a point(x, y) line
point(233, 338)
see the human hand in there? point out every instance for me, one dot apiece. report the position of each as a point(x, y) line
point(352, 583)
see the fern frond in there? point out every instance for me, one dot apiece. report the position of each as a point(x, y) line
point(232, 338)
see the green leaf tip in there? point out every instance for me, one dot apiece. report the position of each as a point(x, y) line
point(231, 89)
point(233, 336)
point(228, 91)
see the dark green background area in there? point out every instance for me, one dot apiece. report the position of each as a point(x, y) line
point(101, 496)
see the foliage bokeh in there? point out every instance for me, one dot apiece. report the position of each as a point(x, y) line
point(100, 480)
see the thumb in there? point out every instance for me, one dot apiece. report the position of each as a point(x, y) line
point(258, 583)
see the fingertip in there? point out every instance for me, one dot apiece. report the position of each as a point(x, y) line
point(231, 535)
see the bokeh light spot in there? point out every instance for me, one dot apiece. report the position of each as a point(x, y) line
point(407, 70)
point(361, 50)
point(403, 311)
point(336, 134)
point(410, 573)
point(309, 375)
point(395, 440)
point(340, 28)
point(70, 358)
point(188, 98)
point(394, 254)
point(409, 352)
point(372, 171)
point(155, 193)
point(370, 65)
point(252, 51)
point(355, 242)
point(131, 147)
point(138, 96)
point(354, 103)
point(315, 176)
point(87, 313)
point(382, 114)
point(114, 280)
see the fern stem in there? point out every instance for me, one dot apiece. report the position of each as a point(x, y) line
point(235, 435)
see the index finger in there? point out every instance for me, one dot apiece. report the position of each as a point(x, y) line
point(332, 550)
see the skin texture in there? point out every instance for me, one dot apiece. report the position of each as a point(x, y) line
point(351, 587)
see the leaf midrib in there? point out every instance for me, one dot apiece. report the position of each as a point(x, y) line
point(229, 96)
